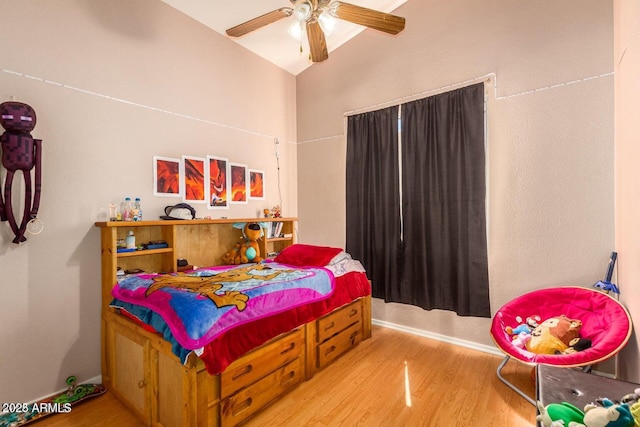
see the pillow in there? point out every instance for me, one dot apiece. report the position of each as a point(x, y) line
point(307, 255)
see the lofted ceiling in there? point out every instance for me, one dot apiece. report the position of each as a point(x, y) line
point(273, 41)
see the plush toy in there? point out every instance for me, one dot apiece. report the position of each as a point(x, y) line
point(521, 339)
point(575, 345)
point(247, 249)
point(609, 415)
point(560, 415)
point(554, 334)
point(633, 400)
point(526, 326)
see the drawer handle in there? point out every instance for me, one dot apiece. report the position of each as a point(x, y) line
point(354, 312)
point(288, 349)
point(288, 378)
point(353, 337)
point(329, 326)
point(246, 369)
point(330, 350)
point(241, 406)
point(142, 383)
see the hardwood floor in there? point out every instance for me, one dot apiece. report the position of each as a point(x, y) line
point(392, 379)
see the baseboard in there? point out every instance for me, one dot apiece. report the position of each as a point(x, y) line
point(439, 337)
point(456, 341)
point(95, 380)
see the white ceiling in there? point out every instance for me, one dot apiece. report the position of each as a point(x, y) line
point(272, 42)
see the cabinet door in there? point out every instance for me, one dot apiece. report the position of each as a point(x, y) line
point(129, 378)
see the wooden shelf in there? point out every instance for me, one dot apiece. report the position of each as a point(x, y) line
point(144, 252)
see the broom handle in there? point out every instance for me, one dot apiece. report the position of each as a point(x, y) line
point(612, 263)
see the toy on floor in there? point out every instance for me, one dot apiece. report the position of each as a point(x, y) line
point(560, 415)
point(610, 414)
point(23, 413)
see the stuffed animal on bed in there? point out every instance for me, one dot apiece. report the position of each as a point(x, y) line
point(247, 249)
point(554, 335)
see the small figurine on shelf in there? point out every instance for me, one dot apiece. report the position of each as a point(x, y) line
point(276, 212)
point(267, 213)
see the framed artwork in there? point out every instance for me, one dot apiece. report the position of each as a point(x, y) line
point(166, 176)
point(218, 182)
point(193, 180)
point(238, 174)
point(256, 184)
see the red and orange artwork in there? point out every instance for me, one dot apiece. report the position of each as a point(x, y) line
point(193, 179)
point(166, 172)
point(256, 184)
point(238, 183)
point(218, 183)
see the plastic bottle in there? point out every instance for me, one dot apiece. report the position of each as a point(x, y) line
point(137, 210)
point(130, 241)
point(126, 209)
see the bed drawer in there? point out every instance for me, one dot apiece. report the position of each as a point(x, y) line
point(246, 402)
point(257, 364)
point(334, 347)
point(335, 322)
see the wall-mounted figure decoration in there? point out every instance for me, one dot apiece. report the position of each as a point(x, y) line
point(166, 176)
point(218, 182)
point(193, 188)
point(238, 182)
point(19, 152)
point(256, 184)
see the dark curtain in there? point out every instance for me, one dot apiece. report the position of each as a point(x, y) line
point(373, 201)
point(443, 208)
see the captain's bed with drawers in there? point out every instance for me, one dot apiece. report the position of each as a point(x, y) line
point(215, 345)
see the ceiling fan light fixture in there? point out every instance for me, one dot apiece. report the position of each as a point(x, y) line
point(327, 22)
point(303, 10)
point(295, 30)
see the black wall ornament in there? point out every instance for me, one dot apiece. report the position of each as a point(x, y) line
point(19, 152)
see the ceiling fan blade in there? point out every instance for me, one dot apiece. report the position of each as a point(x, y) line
point(380, 21)
point(259, 22)
point(317, 42)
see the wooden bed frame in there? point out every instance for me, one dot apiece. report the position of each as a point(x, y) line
point(139, 368)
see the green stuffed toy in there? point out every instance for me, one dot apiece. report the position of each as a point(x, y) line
point(560, 415)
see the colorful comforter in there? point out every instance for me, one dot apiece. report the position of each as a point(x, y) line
point(202, 304)
point(350, 283)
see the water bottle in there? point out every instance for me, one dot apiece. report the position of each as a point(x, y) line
point(137, 210)
point(126, 209)
point(130, 240)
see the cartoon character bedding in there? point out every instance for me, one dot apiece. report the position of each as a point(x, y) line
point(222, 312)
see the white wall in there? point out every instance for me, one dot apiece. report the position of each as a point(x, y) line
point(550, 135)
point(626, 60)
point(97, 150)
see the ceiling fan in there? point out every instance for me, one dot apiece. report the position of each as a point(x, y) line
point(312, 12)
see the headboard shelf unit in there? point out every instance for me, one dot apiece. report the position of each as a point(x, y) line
point(202, 242)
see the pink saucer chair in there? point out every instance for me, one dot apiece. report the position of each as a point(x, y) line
point(604, 319)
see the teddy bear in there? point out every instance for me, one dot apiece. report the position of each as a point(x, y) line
point(247, 248)
point(554, 334)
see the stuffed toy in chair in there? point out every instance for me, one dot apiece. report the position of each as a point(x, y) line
point(554, 335)
point(247, 249)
